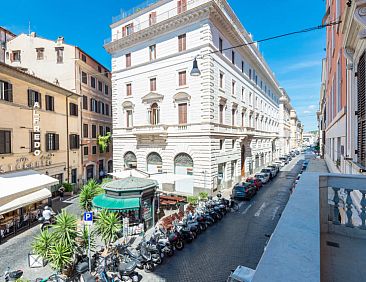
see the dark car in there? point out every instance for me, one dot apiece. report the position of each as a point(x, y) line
point(255, 181)
point(244, 191)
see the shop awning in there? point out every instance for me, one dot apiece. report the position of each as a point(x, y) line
point(104, 202)
point(25, 200)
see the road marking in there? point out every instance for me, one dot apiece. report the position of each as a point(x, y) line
point(274, 212)
point(258, 213)
point(241, 204)
point(247, 208)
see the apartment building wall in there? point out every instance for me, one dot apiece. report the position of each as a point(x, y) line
point(17, 117)
point(335, 88)
point(5, 36)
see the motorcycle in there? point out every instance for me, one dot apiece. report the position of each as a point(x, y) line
point(142, 258)
point(12, 275)
point(126, 271)
point(184, 232)
point(83, 270)
point(163, 243)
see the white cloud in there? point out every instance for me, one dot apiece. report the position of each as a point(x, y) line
point(301, 65)
point(312, 107)
point(307, 112)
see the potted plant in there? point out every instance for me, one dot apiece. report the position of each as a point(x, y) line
point(68, 189)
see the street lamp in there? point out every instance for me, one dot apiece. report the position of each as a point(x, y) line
point(195, 70)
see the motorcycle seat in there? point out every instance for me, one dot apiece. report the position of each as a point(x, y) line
point(87, 277)
point(16, 274)
point(127, 267)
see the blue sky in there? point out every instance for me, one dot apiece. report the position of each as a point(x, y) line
point(295, 60)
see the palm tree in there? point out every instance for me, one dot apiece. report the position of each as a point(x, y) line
point(107, 226)
point(65, 229)
point(42, 244)
point(60, 256)
point(83, 240)
point(88, 192)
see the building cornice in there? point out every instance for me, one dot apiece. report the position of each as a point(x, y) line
point(16, 73)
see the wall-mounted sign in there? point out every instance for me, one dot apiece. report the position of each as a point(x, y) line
point(36, 130)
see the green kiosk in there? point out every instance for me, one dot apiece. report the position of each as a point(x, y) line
point(132, 197)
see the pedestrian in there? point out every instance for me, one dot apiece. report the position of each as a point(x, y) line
point(61, 191)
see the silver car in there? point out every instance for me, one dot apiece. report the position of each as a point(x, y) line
point(264, 177)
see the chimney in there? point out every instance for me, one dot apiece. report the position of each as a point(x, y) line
point(33, 34)
point(60, 40)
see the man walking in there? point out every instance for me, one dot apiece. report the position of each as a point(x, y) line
point(62, 191)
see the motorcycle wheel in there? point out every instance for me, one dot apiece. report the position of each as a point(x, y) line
point(170, 253)
point(219, 216)
point(159, 261)
point(179, 245)
point(149, 267)
point(203, 227)
point(235, 207)
point(194, 235)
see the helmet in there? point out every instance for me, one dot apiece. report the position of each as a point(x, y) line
point(46, 208)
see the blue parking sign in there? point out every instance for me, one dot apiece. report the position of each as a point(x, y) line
point(88, 217)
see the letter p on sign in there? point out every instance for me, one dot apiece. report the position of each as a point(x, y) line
point(88, 218)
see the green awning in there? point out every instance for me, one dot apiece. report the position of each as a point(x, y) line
point(104, 202)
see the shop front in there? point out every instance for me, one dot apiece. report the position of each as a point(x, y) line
point(22, 198)
point(132, 198)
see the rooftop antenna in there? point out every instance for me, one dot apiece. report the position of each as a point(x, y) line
point(29, 27)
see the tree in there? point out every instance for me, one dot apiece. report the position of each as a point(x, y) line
point(88, 192)
point(42, 243)
point(103, 142)
point(203, 196)
point(82, 240)
point(65, 229)
point(193, 200)
point(107, 226)
point(60, 256)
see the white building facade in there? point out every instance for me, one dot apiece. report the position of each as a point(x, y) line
point(215, 128)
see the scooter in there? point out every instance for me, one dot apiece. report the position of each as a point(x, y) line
point(83, 270)
point(12, 275)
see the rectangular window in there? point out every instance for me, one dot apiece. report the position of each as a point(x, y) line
point(129, 120)
point(250, 73)
point(92, 82)
point(128, 60)
point(233, 84)
point(242, 94)
point(233, 57)
point(106, 109)
point(83, 58)
point(182, 78)
point(152, 52)
point(40, 53)
point(94, 150)
point(129, 29)
point(34, 96)
point(85, 102)
point(152, 18)
point(107, 129)
point(182, 113)
point(242, 66)
point(182, 43)
point(101, 130)
point(106, 89)
point(60, 54)
point(222, 142)
point(74, 141)
point(73, 110)
point(152, 84)
point(339, 85)
point(52, 142)
point(181, 6)
point(85, 130)
point(6, 91)
point(15, 56)
point(5, 141)
point(221, 44)
point(221, 114)
point(94, 131)
point(50, 103)
point(86, 150)
point(361, 109)
point(100, 86)
point(242, 119)
point(74, 175)
point(128, 89)
point(84, 78)
point(221, 80)
point(233, 111)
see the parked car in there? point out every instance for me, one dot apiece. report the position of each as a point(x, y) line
point(268, 171)
point(292, 154)
point(255, 181)
point(275, 168)
point(280, 163)
point(284, 160)
point(244, 190)
point(264, 177)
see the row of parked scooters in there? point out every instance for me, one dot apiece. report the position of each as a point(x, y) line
point(122, 260)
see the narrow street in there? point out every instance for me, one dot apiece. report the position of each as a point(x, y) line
point(239, 239)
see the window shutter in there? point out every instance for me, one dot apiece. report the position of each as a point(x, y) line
point(31, 142)
point(57, 141)
point(179, 7)
point(30, 100)
point(77, 141)
point(7, 141)
point(124, 31)
point(361, 117)
point(9, 91)
point(47, 142)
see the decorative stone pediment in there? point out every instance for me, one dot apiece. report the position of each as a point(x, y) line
point(152, 97)
point(360, 17)
point(127, 105)
point(181, 97)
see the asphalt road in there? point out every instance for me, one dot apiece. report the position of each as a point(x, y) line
point(239, 239)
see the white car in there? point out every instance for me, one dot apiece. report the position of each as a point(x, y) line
point(264, 177)
point(241, 274)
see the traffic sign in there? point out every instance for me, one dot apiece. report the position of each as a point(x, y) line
point(88, 218)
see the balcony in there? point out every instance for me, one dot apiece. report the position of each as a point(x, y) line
point(321, 235)
point(150, 130)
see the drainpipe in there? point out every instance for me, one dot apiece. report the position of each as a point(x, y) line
point(67, 139)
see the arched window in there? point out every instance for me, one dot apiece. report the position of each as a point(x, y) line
point(154, 163)
point(130, 160)
point(183, 164)
point(154, 114)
